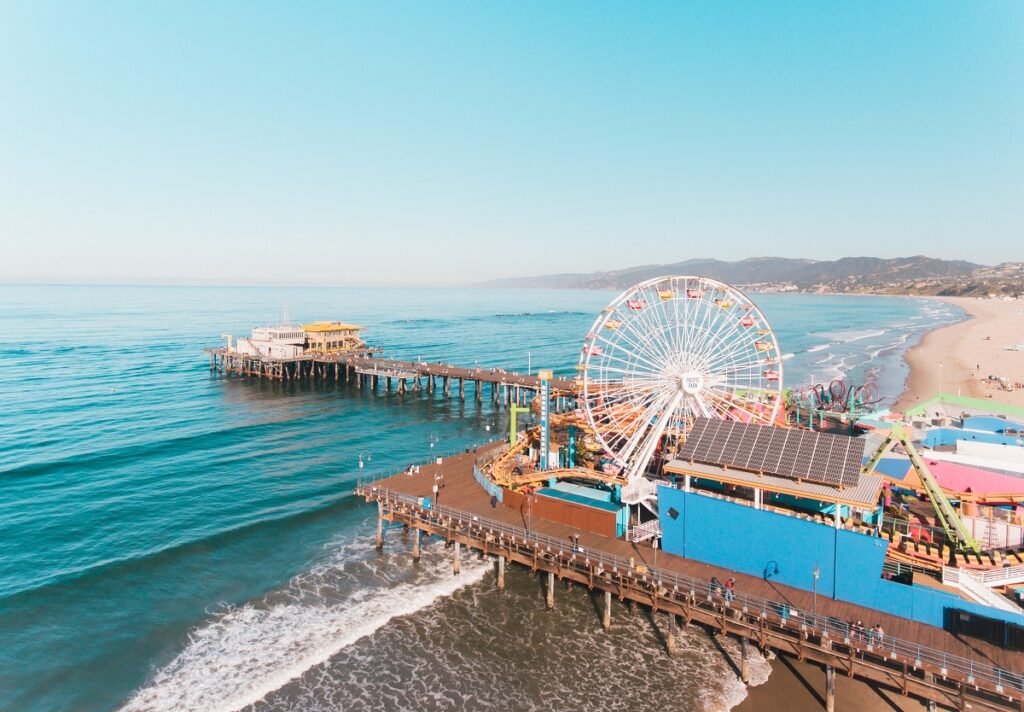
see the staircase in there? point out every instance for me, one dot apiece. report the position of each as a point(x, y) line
point(969, 583)
point(641, 490)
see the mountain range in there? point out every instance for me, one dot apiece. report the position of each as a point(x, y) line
point(860, 275)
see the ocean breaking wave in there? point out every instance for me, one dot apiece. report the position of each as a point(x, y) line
point(246, 652)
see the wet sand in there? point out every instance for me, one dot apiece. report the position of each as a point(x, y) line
point(957, 358)
point(795, 686)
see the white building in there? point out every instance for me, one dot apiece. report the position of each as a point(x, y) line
point(273, 342)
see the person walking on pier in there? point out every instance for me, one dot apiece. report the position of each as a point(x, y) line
point(730, 593)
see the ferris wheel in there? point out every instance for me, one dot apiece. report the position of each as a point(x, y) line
point(671, 349)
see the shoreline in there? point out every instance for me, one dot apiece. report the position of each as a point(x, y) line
point(795, 686)
point(956, 358)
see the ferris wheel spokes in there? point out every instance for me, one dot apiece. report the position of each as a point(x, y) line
point(671, 349)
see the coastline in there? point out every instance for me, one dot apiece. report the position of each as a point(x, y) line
point(958, 357)
point(795, 686)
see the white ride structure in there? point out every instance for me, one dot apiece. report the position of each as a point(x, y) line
point(666, 351)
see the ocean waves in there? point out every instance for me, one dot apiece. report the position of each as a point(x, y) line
point(243, 653)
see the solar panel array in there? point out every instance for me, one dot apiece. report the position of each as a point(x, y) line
point(825, 458)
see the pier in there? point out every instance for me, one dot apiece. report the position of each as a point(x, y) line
point(915, 659)
point(365, 370)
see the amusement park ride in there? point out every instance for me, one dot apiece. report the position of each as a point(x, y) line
point(662, 354)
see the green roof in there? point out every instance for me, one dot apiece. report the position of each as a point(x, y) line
point(982, 404)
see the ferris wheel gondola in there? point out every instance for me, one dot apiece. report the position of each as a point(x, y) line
point(698, 348)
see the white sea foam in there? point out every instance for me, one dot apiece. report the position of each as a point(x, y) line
point(759, 670)
point(855, 335)
point(245, 653)
point(817, 347)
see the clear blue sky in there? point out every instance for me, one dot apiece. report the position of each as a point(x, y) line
point(384, 142)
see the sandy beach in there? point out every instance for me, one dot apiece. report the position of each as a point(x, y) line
point(958, 358)
point(796, 686)
point(954, 359)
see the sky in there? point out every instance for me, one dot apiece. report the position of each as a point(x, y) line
point(393, 143)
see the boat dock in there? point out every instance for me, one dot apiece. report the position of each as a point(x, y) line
point(916, 659)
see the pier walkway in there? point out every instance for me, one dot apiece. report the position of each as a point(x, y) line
point(369, 371)
point(916, 659)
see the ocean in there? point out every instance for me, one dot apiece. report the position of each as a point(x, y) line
point(170, 540)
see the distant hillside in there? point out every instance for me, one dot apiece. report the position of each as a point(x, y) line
point(862, 275)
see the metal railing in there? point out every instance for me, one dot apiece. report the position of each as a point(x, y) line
point(978, 590)
point(1006, 576)
point(367, 478)
point(672, 584)
point(647, 530)
point(912, 529)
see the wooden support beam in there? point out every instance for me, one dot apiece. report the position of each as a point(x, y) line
point(551, 590)
point(745, 660)
point(456, 558)
point(606, 613)
point(380, 524)
point(416, 544)
point(670, 636)
point(830, 689)
point(501, 574)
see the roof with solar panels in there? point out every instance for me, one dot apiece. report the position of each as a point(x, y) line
point(804, 463)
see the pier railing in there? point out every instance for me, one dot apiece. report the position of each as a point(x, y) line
point(885, 648)
point(368, 478)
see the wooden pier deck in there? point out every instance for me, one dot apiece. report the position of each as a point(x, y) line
point(915, 659)
point(367, 370)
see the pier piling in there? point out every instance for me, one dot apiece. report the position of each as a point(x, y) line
point(745, 661)
point(380, 524)
point(606, 614)
point(456, 559)
point(670, 636)
point(416, 545)
point(930, 705)
point(830, 688)
point(501, 574)
point(551, 590)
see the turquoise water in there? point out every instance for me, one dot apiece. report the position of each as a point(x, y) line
point(192, 540)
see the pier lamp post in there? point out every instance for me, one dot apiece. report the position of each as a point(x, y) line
point(529, 363)
point(364, 455)
point(817, 575)
point(433, 440)
point(940, 378)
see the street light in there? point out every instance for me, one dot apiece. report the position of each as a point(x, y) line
point(433, 440)
point(529, 364)
point(940, 378)
point(368, 457)
point(817, 575)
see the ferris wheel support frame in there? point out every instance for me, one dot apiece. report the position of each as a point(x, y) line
point(679, 347)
